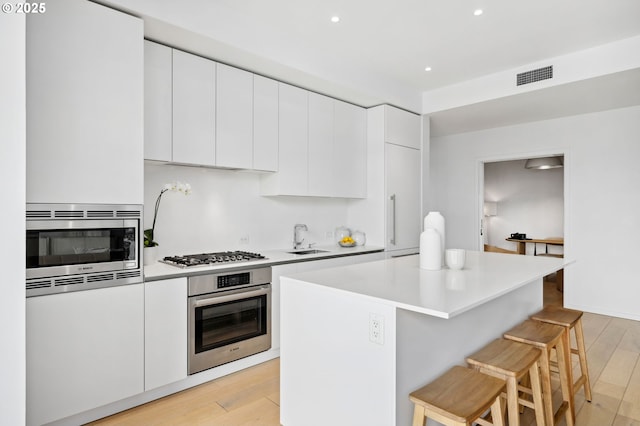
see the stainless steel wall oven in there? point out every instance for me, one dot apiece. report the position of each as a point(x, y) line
point(229, 317)
point(71, 247)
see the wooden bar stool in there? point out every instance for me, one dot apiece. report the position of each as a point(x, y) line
point(511, 361)
point(459, 397)
point(571, 320)
point(547, 337)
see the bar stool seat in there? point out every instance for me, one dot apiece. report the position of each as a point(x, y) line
point(459, 397)
point(570, 319)
point(512, 361)
point(547, 337)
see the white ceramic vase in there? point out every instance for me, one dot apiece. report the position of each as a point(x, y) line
point(430, 251)
point(436, 221)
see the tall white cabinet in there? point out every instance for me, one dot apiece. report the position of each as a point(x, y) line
point(85, 85)
point(391, 212)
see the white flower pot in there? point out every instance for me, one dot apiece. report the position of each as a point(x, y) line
point(150, 255)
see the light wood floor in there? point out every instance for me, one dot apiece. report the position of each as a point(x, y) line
point(252, 397)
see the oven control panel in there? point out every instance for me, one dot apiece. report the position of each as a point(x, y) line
point(234, 280)
point(211, 283)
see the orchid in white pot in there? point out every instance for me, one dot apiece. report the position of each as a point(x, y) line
point(183, 188)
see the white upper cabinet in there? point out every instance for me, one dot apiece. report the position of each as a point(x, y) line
point(291, 178)
point(349, 151)
point(401, 127)
point(265, 124)
point(84, 106)
point(321, 149)
point(234, 118)
point(157, 101)
point(194, 109)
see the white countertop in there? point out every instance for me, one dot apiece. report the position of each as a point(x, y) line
point(445, 293)
point(159, 271)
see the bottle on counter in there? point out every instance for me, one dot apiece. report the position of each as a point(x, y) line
point(436, 221)
point(430, 250)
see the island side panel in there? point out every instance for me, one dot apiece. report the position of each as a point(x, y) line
point(427, 346)
point(330, 371)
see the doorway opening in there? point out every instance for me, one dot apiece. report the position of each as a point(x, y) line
point(523, 212)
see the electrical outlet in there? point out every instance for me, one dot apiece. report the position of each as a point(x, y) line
point(244, 239)
point(376, 328)
point(328, 235)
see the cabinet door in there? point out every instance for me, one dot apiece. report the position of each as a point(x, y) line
point(402, 127)
point(194, 97)
point(85, 349)
point(293, 149)
point(165, 332)
point(234, 117)
point(265, 124)
point(403, 184)
point(84, 75)
point(350, 151)
point(157, 101)
point(321, 153)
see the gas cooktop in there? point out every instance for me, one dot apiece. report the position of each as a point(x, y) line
point(205, 259)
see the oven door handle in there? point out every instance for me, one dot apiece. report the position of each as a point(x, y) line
point(231, 297)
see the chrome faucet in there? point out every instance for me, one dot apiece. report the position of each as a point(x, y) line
point(297, 238)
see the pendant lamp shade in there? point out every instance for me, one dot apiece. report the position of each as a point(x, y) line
point(544, 163)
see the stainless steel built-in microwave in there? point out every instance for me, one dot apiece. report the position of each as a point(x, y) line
point(71, 247)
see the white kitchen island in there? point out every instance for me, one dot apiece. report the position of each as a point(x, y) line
point(337, 370)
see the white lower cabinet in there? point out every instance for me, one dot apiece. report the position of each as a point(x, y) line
point(165, 332)
point(84, 350)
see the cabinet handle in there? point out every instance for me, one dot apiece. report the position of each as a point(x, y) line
point(392, 199)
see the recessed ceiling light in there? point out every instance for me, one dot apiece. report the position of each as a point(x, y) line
point(335, 19)
point(427, 69)
point(477, 12)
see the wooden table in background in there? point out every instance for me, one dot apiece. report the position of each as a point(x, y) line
point(522, 249)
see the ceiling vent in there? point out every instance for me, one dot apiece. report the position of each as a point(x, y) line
point(535, 75)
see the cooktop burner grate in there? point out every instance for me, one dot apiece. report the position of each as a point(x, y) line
point(204, 259)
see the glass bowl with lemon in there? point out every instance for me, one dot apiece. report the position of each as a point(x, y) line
point(347, 242)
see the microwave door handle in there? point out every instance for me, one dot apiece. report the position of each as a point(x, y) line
point(230, 298)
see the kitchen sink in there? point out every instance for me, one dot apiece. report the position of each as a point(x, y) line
point(308, 251)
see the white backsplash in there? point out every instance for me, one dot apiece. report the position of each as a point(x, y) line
point(225, 207)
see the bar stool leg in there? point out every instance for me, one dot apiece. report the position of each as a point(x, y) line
point(545, 378)
point(536, 389)
point(566, 382)
point(512, 401)
point(582, 355)
point(418, 415)
point(497, 412)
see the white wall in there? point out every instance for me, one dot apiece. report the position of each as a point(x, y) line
point(602, 200)
point(12, 174)
point(529, 202)
point(226, 205)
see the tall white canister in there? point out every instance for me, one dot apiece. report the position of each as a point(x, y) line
point(430, 253)
point(435, 221)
